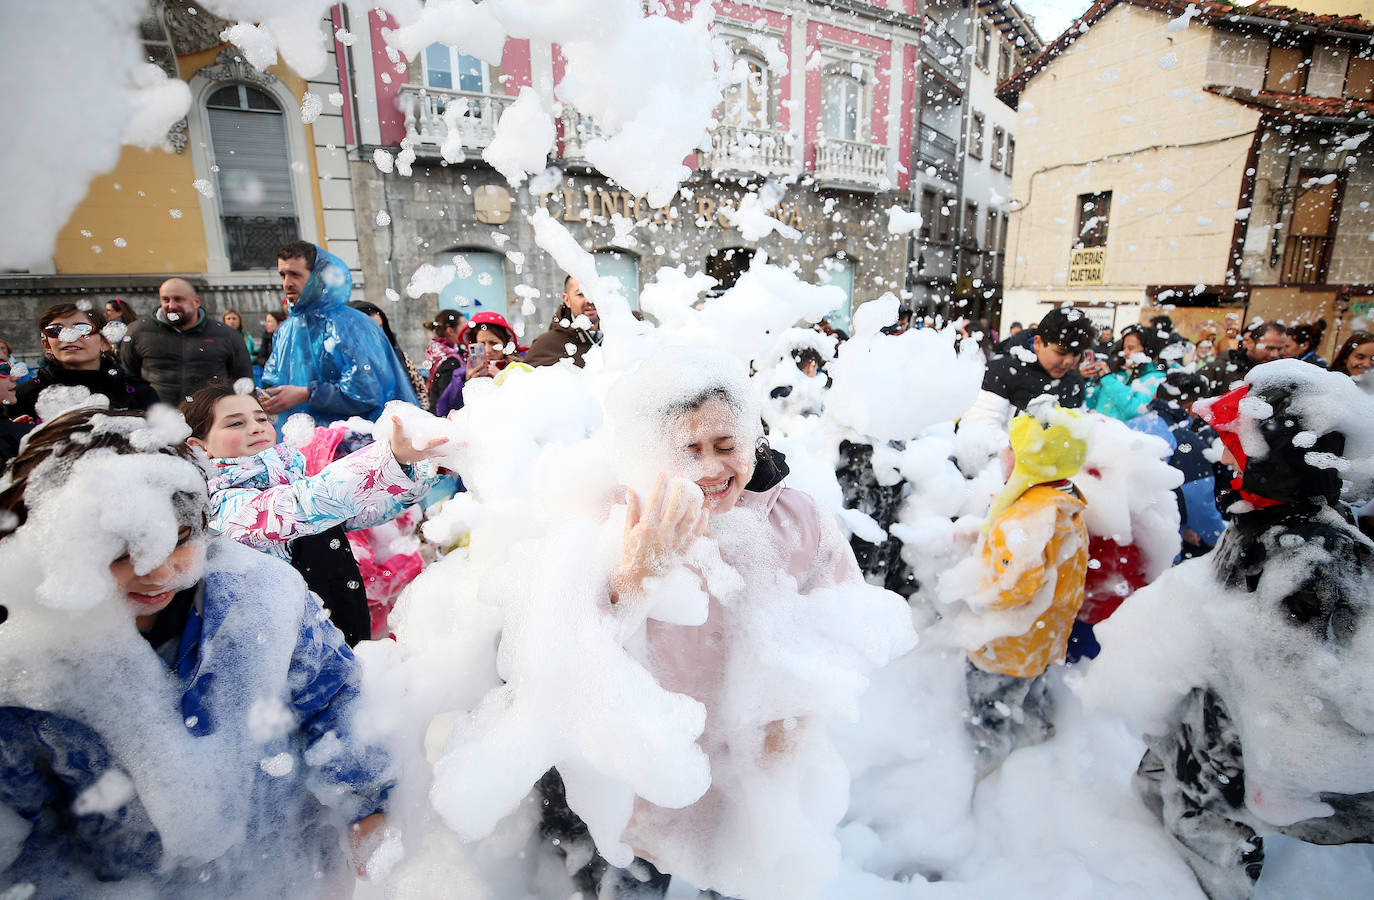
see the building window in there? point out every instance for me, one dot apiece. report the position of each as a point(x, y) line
point(842, 99)
point(1359, 79)
point(1093, 213)
point(624, 268)
point(975, 136)
point(746, 100)
point(448, 69)
point(928, 213)
point(1287, 70)
point(252, 166)
point(944, 227)
point(970, 229)
point(990, 238)
point(839, 271)
point(984, 46)
point(479, 286)
point(1004, 63)
point(1011, 154)
point(999, 146)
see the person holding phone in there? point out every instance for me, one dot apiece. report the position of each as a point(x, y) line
point(492, 352)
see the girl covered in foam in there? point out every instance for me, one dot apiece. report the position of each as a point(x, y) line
point(736, 607)
point(175, 713)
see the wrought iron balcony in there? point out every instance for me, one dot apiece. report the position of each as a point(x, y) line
point(937, 149)
point(474, 115)
point(943, 49)
point(850, 163)
point(253, 241)
point(739, 149)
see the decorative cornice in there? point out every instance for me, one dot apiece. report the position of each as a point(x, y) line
point(231, 66)
point(178, 135)
point(192, 29)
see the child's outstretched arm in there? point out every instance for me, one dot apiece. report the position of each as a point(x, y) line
point(365, 488)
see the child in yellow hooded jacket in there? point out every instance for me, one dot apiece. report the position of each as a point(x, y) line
point(1034, 549)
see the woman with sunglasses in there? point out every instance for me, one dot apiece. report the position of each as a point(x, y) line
point(78, 355)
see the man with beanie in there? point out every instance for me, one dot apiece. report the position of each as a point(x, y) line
point(1034, 554)
point(1050, 363)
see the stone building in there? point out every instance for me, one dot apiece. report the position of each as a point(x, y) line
point(826, 113)
point(1198, 159)
point(258, 160)
point(965, 153)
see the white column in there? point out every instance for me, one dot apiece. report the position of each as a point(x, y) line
point(797, 62)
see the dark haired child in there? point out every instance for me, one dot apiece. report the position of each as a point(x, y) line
point(262, 496)
point(175, 714)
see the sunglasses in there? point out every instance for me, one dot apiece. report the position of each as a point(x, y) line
point(5, 369)
point(81, 329)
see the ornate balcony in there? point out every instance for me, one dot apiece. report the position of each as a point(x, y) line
point(253, 241)
point(737, 149)
point(475, 115)
point(579, 130)
point(852, 164)
point(943, 49)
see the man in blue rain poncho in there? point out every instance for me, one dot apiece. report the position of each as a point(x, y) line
point(328, 360)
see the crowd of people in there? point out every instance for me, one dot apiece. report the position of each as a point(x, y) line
point(240, 529)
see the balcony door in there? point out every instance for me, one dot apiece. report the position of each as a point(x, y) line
point(450, 70)
point(1307, 250)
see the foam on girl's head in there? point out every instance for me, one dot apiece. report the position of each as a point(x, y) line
point(645, 405)
point(88, 487)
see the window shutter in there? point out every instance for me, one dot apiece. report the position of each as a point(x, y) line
point(254, 172)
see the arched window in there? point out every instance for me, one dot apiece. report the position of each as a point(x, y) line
point(478, 286)
point(746, 100)
point(842, 101)
point(248, 151)
point(624, 268)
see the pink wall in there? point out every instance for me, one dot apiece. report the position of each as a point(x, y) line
point(341, 61)
point(515, 65)
point(877, 125)
point(389, 115)
point(908, 114)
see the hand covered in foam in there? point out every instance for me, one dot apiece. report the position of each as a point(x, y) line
point(659, 533)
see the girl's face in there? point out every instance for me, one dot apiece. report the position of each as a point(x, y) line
point(376, 317)
point(233, 321)
point(1361, 359)
point(74, 341)
point(150, 592)
point(1131, 344)
point(111, 312)
point(713, 452)
point(269, 324)
point(492, 343)
point(240, 428)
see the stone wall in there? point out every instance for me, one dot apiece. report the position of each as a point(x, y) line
point(433, 214)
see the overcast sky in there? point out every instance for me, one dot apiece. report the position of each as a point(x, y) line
point(1053, 16)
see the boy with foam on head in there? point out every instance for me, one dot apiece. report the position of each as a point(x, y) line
point(1029, 568)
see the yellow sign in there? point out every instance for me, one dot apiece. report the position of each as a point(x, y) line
point(1086, 265)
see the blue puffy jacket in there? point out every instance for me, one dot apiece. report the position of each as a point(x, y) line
point(337, 352)
point(287, 776)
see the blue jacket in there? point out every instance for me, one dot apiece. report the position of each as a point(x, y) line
point(337, 352)
point(1122, 394)
point(1197, 502)
point(284, 826)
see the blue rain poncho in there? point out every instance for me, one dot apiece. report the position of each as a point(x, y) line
point(337, 352)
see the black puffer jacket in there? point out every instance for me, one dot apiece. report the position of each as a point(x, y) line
point(179, 363)
point(125, 391)
point(1021, 381)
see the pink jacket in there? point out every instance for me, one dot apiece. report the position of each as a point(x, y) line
point(694, 660)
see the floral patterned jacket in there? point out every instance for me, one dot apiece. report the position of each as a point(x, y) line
point(267, 501)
